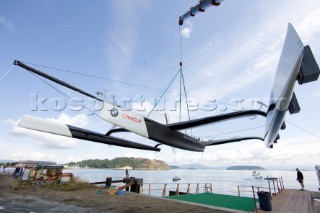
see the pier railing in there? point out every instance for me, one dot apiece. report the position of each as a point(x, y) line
point(169, 189)
point(275, 185)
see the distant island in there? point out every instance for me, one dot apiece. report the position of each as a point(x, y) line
point(196, 166)
point(121, 163)
point(245, 168)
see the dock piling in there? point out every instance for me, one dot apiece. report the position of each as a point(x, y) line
point(177, 190)
point(164, 190)
point(108, 182)
point(188, 190)
point(254, 198)
point(197, 189)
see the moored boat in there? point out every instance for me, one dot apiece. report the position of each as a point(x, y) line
point(176, 178)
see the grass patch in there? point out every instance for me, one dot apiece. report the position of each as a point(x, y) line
point(226, 201)
point(73, 185)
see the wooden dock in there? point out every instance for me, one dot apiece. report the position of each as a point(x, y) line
point(292, 201)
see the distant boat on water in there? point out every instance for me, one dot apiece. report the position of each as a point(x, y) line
point(176, 179)
point(256, 175)
point(270, 178)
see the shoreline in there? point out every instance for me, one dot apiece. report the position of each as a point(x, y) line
point(146, 169)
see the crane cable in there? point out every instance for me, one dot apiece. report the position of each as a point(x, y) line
point(163, 93)
point(182, 81)
point(182, 84)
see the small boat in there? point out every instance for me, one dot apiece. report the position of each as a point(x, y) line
point(256, 175)
point(176, 178)
point(271, 178)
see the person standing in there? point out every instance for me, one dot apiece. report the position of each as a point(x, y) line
point(300, 178)
point(127, 173)
point(16, 173)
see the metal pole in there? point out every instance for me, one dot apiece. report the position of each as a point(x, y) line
point(56, 80)
point(203, 4)
point(149, 188)
point(238, 191)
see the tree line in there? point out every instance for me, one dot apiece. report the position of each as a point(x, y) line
point(118, 162)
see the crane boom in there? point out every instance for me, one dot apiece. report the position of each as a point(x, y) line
point(203, 4)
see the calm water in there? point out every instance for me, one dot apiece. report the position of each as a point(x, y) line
point(223, 181)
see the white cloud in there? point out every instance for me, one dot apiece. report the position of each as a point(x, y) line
point(80, 120)
point(285, 153)
point(33, 155)
point(309, 26)
point(7, 24)
point(187, 30)
point(50, 140)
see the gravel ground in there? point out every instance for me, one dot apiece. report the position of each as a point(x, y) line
point(16, 199)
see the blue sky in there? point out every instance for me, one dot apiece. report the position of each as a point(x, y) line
point(230, 53)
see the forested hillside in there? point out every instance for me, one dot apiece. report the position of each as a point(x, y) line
point(135, 163)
